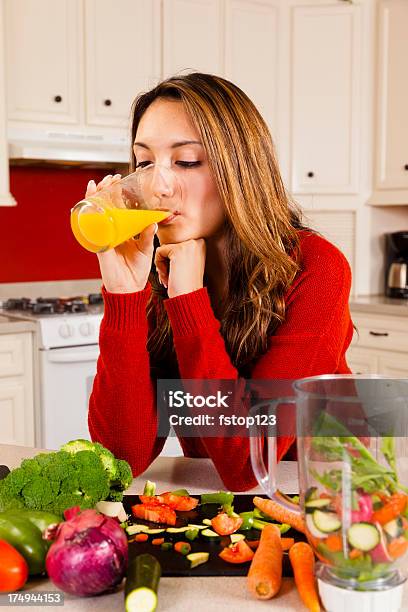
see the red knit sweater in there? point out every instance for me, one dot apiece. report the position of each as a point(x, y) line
point(312, 340)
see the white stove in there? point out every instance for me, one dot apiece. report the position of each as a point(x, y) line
point(67, 345)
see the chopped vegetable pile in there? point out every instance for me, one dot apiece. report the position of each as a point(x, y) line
point(80, 474)
point(357, 519)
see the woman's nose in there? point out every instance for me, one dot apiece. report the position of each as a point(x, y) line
point(163, 182)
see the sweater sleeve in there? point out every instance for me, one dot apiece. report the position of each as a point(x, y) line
point(312, 340)
point(122, 410)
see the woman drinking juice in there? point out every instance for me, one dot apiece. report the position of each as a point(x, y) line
point(231, 285)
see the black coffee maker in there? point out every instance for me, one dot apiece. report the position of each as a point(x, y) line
point(396, 264)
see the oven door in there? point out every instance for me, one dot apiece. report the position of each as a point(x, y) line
point(66, 383)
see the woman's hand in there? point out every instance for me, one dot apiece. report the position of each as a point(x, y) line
point(181, 266)
point(126, 268)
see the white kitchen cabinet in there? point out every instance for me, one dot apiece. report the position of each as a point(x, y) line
point(43, 53)
point(122, 49)
point(79, 63)
point(391, 160)
point(192, 36)
point(380, 345)
point(325, 52)
point(16, 389)
point(252, 53)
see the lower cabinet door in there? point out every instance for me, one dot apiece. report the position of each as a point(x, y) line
point(16, 414)
point(362, 361)
point(393, 364)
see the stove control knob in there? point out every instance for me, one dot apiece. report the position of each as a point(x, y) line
point(86, 329)
point(66, 330)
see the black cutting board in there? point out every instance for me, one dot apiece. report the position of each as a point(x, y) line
point(175, 564)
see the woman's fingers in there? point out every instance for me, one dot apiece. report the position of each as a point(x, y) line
point(145, 240)
point(90, 188)
point(162, 263)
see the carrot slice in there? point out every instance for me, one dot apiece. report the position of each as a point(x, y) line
point(275, 511)
point(355, 553)
point(157, 541)
point(265, 574)
point(141, 537)
point(334, 543)
point(392, 508)
point(302, 558)
point(397, 547)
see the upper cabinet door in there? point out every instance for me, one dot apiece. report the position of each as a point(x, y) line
point(122, 56)
point(192, 36)
point(251, 52)
point(42, 58)
point(391, 171)
point(325, 98)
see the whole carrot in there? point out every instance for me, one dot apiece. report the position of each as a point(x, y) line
point(265, 574)
point(275, 511)
point(302, 559)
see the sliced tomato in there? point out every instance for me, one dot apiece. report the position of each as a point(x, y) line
point(225, 525)
point(152, 500)
point(238, 553)
point(156, 513)
point(183, 503)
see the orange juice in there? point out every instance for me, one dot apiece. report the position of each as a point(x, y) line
point(100, 231)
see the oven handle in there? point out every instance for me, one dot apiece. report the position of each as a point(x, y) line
point(77, 357)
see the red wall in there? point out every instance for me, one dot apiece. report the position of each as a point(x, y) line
point(36, 242)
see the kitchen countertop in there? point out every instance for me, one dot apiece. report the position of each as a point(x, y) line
point(179, 594)
point(11, 325)
point(205, 594)
point(379, 304)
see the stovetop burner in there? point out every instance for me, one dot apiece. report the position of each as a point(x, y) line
point(41, 306)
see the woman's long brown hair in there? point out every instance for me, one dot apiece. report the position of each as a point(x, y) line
point(261, 220)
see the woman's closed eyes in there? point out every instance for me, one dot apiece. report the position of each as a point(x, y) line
point(183, 164)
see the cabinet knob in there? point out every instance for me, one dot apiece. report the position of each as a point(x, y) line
point(310, 174)
point(406, 167)
point(107, 102)
point(57, 99)
point(373, 333)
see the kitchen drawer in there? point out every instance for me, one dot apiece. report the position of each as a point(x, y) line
point(380, 332)
point(12, 354)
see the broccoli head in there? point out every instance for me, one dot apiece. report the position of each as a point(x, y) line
point(77, 445)
point(80, 474)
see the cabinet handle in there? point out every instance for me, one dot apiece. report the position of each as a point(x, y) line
point(379, 333)
point(406, 167)
point(107, 102)
point(310, 174)
point(57, 99)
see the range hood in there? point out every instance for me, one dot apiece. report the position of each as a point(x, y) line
point(72, 147)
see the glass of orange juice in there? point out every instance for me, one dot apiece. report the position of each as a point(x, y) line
point(122, 210)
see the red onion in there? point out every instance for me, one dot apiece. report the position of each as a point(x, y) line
point(89, 555)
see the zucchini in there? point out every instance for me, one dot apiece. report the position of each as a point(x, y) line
point(192, 534)
point(312, 529)
point(394, 528)
point(315, 504)
point(236, 537)
point(154, 531)
point(133, 529)
point(209, 533)
point(192, 526)
point(177, 529)
point(326, 521)
point(364, 536)
point(198, 558)
point(207, 521)
point(142, 581)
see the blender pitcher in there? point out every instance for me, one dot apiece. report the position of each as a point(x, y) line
point(353, 477)
point(126, 207)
